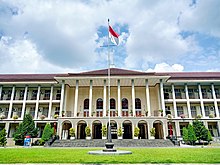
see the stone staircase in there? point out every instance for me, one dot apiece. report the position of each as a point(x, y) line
point(118, 143)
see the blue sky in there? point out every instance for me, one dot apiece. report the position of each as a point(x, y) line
point(64, 36)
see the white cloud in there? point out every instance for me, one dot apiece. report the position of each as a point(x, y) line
point(164, 67)
point(64, 33)
point(202, 17)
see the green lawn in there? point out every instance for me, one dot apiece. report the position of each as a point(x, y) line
point(140, 155)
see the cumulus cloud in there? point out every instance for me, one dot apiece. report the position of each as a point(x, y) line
point(164, 67)
point(65, 34)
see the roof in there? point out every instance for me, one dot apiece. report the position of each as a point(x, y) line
point(113, 72)
point(28, 77)
point(191, 75)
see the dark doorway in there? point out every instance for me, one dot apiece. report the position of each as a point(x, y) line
point(81, 130)
point(97, 131)
point(143, 130)
point(127, 131)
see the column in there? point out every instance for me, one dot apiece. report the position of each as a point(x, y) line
point(24, 102)
point(162, 97)
point(215, 101)
point(50, 103)
point(104, 99)
point(177, 125)
point(165, 130)
point(133, 96)
point(205, 124)
point(11, 101)
point(7, 124)
point(0, 92)
point(62, 98)
point(90, 99)
point(119, 98)
point(174, 102)
point(148, 98)
point(76, 98)
point(37, 102)
point(201, 101)
point(218, 127)
point(187, 102)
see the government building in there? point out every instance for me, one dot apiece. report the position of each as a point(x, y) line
point(166, 101)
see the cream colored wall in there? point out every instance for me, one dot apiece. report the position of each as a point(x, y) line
point(154, 99)
point(70, 98)
point(140, 92)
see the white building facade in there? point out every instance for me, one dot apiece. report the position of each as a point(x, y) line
point(137, 99)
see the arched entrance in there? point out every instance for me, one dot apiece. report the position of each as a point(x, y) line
point(158, 125)
point(127, 125)
point(142, 125)
point(81, 125)
point(97, 130)
point(66, 125)
point(113, 129)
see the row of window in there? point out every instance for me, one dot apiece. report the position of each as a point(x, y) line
point(31, 94)
point(180, 93)
point(124, 101)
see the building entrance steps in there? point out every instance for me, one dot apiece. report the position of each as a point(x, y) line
point(117, 143)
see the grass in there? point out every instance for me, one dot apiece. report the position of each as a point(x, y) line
point(139, 155)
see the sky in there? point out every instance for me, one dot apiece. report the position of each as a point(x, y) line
point(67, 36)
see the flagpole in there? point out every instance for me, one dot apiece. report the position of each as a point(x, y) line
point(109, 90)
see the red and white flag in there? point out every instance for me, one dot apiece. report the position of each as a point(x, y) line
point(113, 36)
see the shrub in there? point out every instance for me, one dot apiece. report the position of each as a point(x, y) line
point(88, 131)
point(3, 139)
point(191, 135)
point(152, 132)
point(15, 117)
point(27, 127)
point(120, 132)
point(47, 133)
point(136, 131)
point(72, 132)
point(185, 135)
point(104, 131)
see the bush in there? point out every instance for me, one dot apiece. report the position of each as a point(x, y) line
point(136, 131)
point(47, 133)
point(88, 131)
point(152, 132)
point(104, 131)
point(3, 139)
point(120, 132)
point(72, 132)
point(185, 135)
point(191, 135)
point(27, 127)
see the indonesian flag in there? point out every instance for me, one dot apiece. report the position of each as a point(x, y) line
point(113, 36)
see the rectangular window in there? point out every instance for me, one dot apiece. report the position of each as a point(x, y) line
point(193, 111)
point(206, 110)
point(47, 95)
point(179, 110)
point(178, 93)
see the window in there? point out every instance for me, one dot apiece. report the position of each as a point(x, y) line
point(179, 110)
point(112, 103)
point(178, 93)
point(193, 111)
point(124, 103)
point(34, 95)
point(58, 95)
point(99, 104)
point(47, 95)
point(137, 103)
point(167, 110)
point(204, 94)
point(86, 104)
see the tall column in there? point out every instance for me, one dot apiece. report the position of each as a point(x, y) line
point(187, 102)
point(24, 102)
point(133, 96)
point(215, 101)
point(162, 97)
point(11, 101)
point(177, 125)
point(76, 98)
point(90, 99)
point(37, 102)
point(7, 128)
point(119, 98)
point(62, 98)
point(165, 130)
point(50, 103)
point(104, 99)
point(148, 98)
point(201, 100)
point(0, 92)
point(174, 101)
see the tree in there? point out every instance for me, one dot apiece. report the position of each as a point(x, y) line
point(3, 139)
point(47, 133)
point(200, 130)
point(209, 137)
point(27, 127)
point(191, 135)
point(185, 135)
